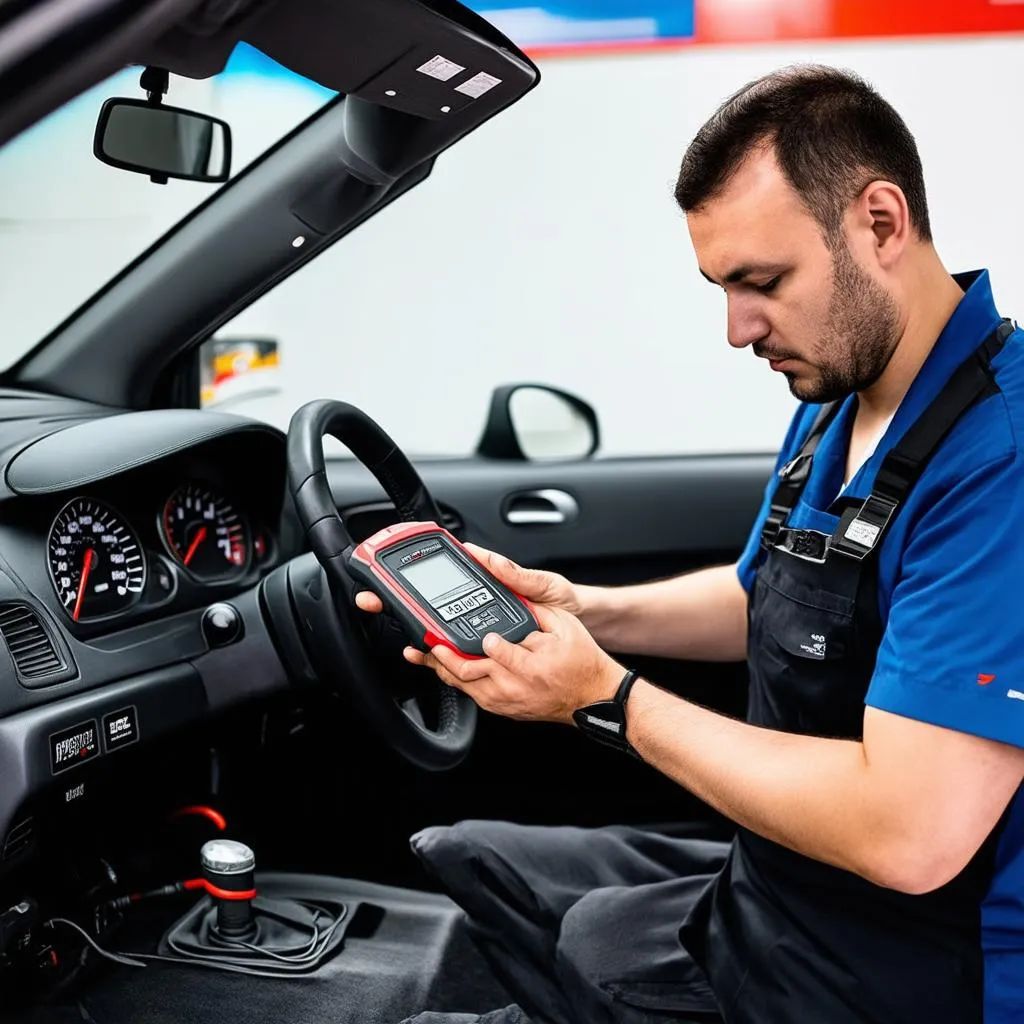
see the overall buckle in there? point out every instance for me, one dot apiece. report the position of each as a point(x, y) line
point(777, 515)
point(859, 529)
point(810, 545)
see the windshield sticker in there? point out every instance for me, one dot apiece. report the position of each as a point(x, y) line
point(441, 68)
point(478, 85)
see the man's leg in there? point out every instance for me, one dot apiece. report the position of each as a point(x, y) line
point(620, 961)
point(506, 1015)
point(516, 884)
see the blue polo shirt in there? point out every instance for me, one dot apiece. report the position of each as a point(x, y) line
point(950, 585)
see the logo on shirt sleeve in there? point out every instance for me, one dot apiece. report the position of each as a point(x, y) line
point(984, 679)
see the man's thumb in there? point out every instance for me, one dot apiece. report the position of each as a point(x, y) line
point(528, 582)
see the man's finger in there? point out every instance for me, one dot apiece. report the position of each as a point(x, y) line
point(479, 553)
point(510, 656)
point(445, 674)
point(548, 618)
point(448, 659)
point(472, 669)
point(466, 670)
point(369, 602)
point(528, 582)
point(414, 656)
point(534, 641)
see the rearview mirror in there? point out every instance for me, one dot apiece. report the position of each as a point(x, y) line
point(163, 142)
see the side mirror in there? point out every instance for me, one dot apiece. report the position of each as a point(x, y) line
point(163, 142)
point(538, 423)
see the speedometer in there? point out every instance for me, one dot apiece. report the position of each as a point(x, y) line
point(96, 564)
point(204, 533)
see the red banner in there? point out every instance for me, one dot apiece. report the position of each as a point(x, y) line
point(719, 21)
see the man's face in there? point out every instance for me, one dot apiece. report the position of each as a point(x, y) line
point(814, 312)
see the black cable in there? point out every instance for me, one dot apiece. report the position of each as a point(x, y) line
point(118, 958)
point(284, 964)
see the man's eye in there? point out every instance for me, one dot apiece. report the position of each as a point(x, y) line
point(768, 287)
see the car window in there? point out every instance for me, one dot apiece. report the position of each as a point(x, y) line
point(508, 264)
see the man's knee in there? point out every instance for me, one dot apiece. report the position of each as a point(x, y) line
point(467, 854)
point(444, 847)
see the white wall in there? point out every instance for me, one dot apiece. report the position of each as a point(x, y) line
point(547, 247)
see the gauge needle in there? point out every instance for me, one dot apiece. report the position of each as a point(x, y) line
point(87, 560)
point(196, 541)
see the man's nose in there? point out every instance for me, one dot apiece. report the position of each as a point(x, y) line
point(746, 324)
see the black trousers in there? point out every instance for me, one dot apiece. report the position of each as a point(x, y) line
point(581, 925)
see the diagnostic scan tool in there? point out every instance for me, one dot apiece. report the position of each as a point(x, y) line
point(437, 590)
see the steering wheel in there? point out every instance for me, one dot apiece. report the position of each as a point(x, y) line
point(430, 724)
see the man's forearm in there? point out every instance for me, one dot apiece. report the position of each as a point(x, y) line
point(907, 807)
point(810, 794)
point(700, 616)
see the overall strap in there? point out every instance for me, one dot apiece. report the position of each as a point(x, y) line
point(793, 477)
point(862, 526)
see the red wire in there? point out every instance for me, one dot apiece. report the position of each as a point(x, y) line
point(213, 890)
point(209, 813)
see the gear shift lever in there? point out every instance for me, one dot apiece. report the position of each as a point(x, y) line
point(229, 869)
point(285, 931)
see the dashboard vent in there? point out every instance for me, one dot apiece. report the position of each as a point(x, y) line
point(451, 521)
point(28, 641)
point(18, 840)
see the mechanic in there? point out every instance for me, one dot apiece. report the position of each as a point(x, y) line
point(877, 871)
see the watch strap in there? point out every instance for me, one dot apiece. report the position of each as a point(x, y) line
point(605, 721)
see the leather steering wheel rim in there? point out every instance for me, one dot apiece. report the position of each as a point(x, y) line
point(401, 726)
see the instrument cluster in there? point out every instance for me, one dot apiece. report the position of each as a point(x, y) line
point(103, 562)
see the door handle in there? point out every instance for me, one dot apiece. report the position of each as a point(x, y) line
point(546, 507)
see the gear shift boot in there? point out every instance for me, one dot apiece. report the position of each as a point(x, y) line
point(235, 928)
point(283, 928)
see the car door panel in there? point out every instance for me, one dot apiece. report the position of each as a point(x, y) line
point(694, 509)
point(635, 520)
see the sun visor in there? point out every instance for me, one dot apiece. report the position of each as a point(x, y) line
point(397, 53)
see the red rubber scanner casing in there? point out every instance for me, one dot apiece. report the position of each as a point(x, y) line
point(424, 627)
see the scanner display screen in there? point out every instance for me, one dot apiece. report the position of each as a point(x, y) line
point(436, 576)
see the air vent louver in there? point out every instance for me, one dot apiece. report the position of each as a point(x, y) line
point(28, 641)
point(18, 840)
point(451, 521)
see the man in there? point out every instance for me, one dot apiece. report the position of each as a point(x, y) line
point(877, 874)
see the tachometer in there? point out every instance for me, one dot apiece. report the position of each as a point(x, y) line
point(204, 533)
point(96, 564)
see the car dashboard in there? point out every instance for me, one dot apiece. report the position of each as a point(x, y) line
point(170, 519)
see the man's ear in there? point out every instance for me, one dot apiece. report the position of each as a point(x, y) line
point(882, 210)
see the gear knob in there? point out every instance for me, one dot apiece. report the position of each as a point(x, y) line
point(230, 869)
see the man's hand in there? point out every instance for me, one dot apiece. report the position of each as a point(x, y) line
point(536, 586)
point(544, 678)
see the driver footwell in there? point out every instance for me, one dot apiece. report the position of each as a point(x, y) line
point(403, 951)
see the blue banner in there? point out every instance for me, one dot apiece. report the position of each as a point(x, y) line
point(588, 22)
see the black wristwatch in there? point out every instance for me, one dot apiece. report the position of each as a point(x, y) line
point(605, 721)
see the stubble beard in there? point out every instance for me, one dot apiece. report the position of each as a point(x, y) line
point(859, 338)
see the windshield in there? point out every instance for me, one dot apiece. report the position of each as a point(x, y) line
point(68, 222)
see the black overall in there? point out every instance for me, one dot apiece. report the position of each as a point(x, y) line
point(785, 939)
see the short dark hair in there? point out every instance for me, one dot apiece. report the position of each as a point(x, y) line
point(831, 133)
